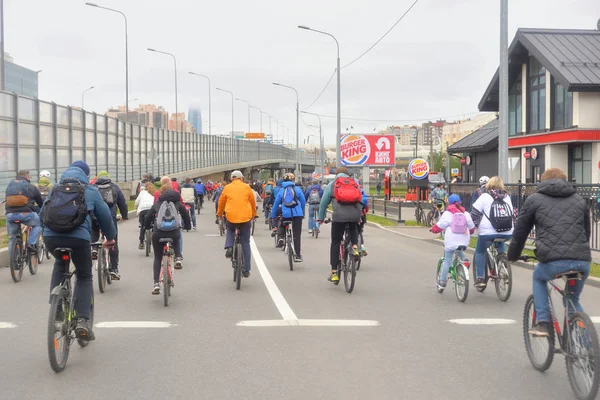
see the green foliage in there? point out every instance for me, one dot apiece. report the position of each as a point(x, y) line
point(381, 220)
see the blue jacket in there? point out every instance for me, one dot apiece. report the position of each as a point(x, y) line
point(218, 194)
point(121, 203)
point(200, 188)
point(276, 190)
point(328, 197)
point(310, 189)
point(288, 212)
point(95, 205)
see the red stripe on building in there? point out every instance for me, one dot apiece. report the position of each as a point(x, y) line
point(555, 137)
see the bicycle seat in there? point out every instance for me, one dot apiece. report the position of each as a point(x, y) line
point(461, 248)
point(59, 252)
point(501, 240)
point(578, 275)
point(165, 240)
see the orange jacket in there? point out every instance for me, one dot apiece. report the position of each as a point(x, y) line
point(238, 203)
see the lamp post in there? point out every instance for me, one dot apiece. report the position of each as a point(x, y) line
point(209, 102)
point(175, 63)
point(321, 142)
point(298, 171)
point(339, 104)
point(244, 101)
point(2, 45)
point(270, 117)
point(260, 111)
point(83, 96)
point(126, 58)
point(231, 93)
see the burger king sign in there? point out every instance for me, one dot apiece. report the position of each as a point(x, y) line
point(418, 168)
point(376, 150)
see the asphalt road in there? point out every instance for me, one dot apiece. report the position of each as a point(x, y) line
point(413, 352)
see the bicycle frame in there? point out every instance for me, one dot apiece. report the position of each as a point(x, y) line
point(563, 337)
point(167, 251)
point(289, 233)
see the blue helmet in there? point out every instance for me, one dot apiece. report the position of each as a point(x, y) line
point(453, 198)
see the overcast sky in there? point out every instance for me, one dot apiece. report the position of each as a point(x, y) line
point(436, 63)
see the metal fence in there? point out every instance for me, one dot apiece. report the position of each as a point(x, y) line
point(38, 135)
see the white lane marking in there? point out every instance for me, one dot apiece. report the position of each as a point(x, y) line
point(482, 321)
point(282, 305)
point(308, 322)
point(212, 235)
point(134, 324)
point(595, 320)
point(7, 325)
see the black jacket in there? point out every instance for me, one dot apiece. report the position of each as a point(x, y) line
point(175, 197)
point(121, 202)
point(34, 195)
point(561, 220)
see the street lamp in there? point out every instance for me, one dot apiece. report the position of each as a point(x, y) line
point(175, 62)
point(261, 113)
point(126, 58)
point(209, 102)
point(339, 104)
point(322, 143)
point(298, 172)
point(83, 98)
point(231, 93)
point(270, 118)
point(244, 101)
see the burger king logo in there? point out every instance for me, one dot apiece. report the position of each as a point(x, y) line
point(354, 149)
point(418, 168)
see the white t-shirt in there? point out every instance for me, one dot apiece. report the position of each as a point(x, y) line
point(453, 240)
point(484, 205)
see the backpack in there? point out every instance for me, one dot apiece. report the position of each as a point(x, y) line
point(107, 192)
point(187, 194)
point(346, 191)
point(313, 197)
point(459, 223)
point(65, 208)
point(17, 193)
point(290, 198)
point(268, 190)
point(166, 218)
point(501, 216)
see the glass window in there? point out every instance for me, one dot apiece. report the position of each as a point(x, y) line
point(90, 158)
point(537, 110)
point(7, 106)
point(77, 154)
point(27, 109)
point(27, 158)
point(515, 108)
point(90, 138)
point(77, 139)
point(112, 157)
point(77, 118)
point(7, 159)
point(101, 140)
point(63, 158)
point(562, 107)
point(7, 131)
point(581, 163)
point(62, 116)
point(27, 134)
point(112, 141)
point(101, 161)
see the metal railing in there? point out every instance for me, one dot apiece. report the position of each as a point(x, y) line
point(38, 135)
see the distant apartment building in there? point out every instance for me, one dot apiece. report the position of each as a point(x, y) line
point(145, 114)
point(454, 131)
point(195, 117)
point(432, 133)
point(18, 79)
point(405, 135)
point(178, 122)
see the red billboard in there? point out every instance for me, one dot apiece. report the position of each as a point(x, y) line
point(368, 150)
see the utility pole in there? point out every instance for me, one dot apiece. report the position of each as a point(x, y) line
point(503, 129)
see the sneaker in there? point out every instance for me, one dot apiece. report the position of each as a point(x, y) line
point(141, 246)
point(355, 252)
point(115, 275)
point(179, 263)
point(363, 250)
point(441, 286)
point(156, 288)
point(298, 259)
point(194, 228)
point(480, 283)
point(310, 231)
point(229, 252)
point(279, 243)
point(32, 248)
point(83, 330)
point(334, 278)
point(246, 274)
point(274, 232)
point(217, 221)
point(541, 329)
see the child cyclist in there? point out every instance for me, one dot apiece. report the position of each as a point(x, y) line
point(458, 227)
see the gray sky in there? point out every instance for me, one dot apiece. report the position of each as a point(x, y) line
point(436, 62)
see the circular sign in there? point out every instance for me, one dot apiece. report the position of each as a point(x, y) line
point(468, 160)
point(418, 168)
point(534, 153)
point(354, 150)
point(463, 161)
point(526, 154)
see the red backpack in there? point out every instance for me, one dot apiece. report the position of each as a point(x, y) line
point(346, 191)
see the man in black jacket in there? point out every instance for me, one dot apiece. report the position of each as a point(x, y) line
point(562, 226)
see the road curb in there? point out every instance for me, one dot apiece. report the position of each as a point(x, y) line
point(591, 281)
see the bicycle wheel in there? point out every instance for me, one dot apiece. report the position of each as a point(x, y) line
point(290, 252)
point(438, 275)
point(253, 223)
point(221, 228)
point(461, 284)
point(270, 222)
point(32, 262)
point(349, 271)
point(84, 343)
point(316, 232)
point(418, 215)
point(240, 266)
point(59, 340)
point(503, 281)
point(100, 268)
point(41, 249)
point(165, 280)
point(429, 219)
point(359, 244)
point(540, 350)
point(106, 263)
point(16, 260)
point(583, 356)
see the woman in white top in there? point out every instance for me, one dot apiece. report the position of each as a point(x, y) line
point(486, 233)
point(143, 203)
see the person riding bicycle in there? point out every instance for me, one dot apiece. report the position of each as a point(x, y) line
point(493, 215)
point(216, 197)
point(200, 192)
point(188, 194)
point(438, 196)
point(562, 228)
point(163, 220)
point(237, 202)
point(143, 204)
point(174, 184)
point(268, 194)
point(458, 226)
point(481, 189)
point(44, 184)
point(210, 189)
point(291, 202)
point(21, 199)
point(60, 230)
point(348, 202)
point(113, 196)
point(313, 198)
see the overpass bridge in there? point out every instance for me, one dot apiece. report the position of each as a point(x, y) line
point(39, 135)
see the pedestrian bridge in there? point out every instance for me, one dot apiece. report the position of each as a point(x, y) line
point(39, 135)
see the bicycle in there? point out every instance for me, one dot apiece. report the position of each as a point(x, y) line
point(100, 263)
point(268, 219)
point(498, 269)
point(459, 273)
point(148, 241)
point(433, 216)
point(237, 259)
point(199, 203)
point(288, 242)
point(578, 337)
point(62, 318)
point(347, 262)
point(420, 214)
point(316, 229)
point(222, 226)
point(166, 269)
point(20, 254)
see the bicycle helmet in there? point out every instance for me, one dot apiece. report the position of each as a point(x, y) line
point(45, 174)
point(484, 180)
point(289, 177)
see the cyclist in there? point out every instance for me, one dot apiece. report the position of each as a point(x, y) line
point(200, 192)
point(216, 198)
point(188, 195)
point(237, 202)
point(275, 222)
point(313, 198)
point(175, 184)
point(492, 213)
point(348, 202)
point(44, 184)
point(481, 189)
point(562, 227)
point(438, 196)
point(268, 194)
point(21, 198)
point(172, 198)
point(78, 239)
point(112, 195)
point(143, 204)
point(209, 188)
point(291, 203)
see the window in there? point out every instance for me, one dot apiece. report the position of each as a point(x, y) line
point(537, 84)
point(562, 107)
point(581, 163)
point(515, 102)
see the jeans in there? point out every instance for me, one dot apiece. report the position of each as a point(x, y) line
point(483, 242)
point(337, 233)
point(448, 258)
point(81, 257)
point(545, 272)
point(113, 252)
point(192, 212)
point(30, 219)
point(311, 216)
point(245, 230)
point(158, 249)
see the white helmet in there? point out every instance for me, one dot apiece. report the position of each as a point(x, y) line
point(484, 180)
point(45, 174)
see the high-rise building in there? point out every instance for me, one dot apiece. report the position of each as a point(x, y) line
point(195, 116)
point(19, 79)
